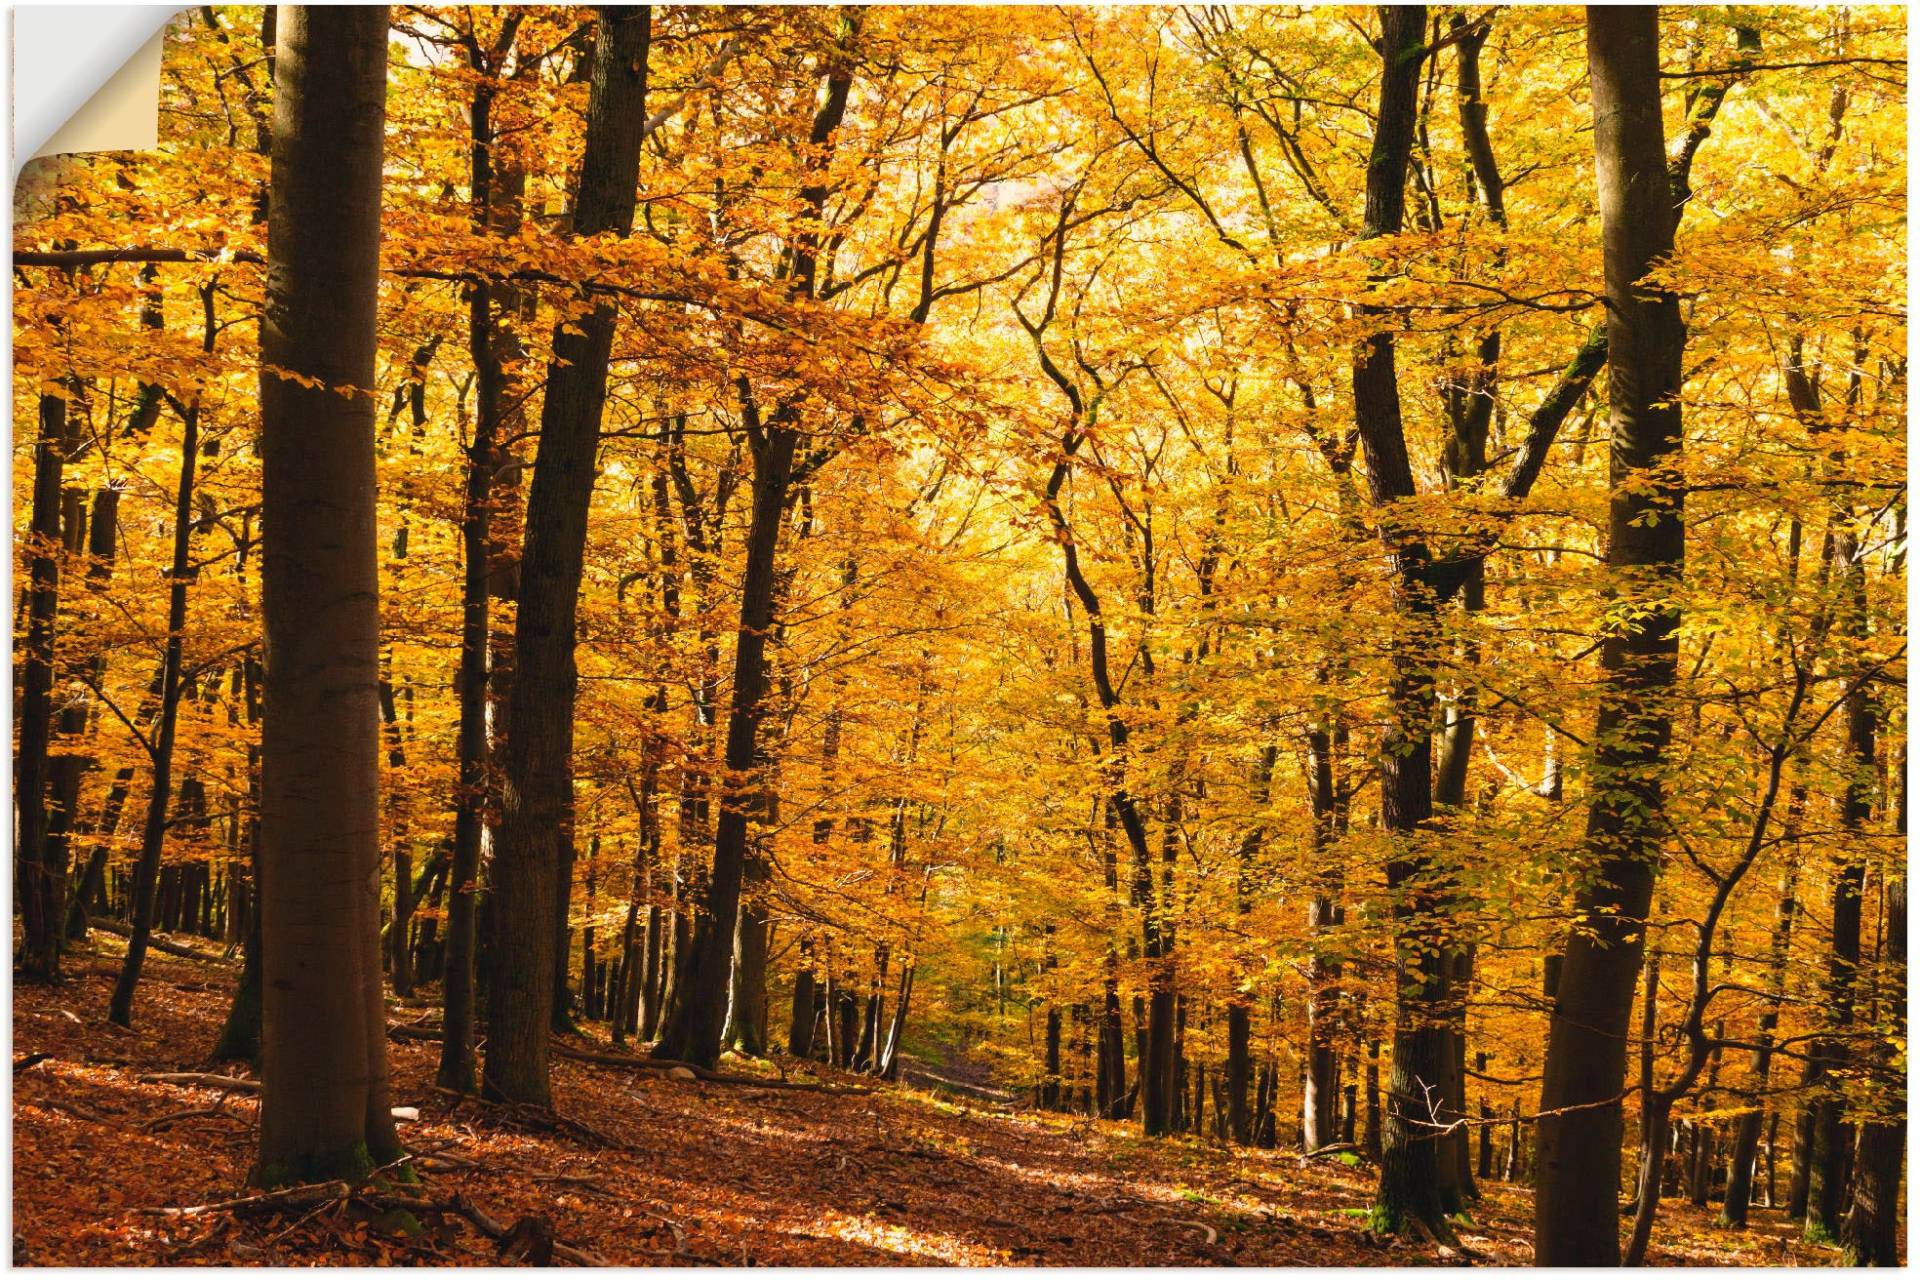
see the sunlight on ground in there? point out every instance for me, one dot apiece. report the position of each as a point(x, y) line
point(930, 1247)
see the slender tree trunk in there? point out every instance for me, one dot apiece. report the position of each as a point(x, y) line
point(1320, 1099)
point(537, 800)
point(888, 1067)
point(1415, 1192)
point(180, 576)
point(34, 879)
point(457, 1066)
point(1871, 1233)
point(696, 1019)
point(1579, 1134)
point(324, 1110)
point(1826, 1190)
point(1746, 1134)
point(102, 543)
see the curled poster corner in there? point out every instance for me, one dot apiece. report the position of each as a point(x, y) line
point(85, 78)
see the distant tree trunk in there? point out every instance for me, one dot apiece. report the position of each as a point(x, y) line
point(180, 575)
point(1239, 1069)
point(103, 540)
point(537, 800)
point(1320, 1099)
point(1050, 1085)
point(1826, 1189)
point(1579, 1133)
point(1746, 1135)
point(847, 1016)
point(800, 1025)
point(67, 762)
point(240, 1036)
point(1370, 1136)
point(34, 879)
point(1871, 1233)
point(324, 1110)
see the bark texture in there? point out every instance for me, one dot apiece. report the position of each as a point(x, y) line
point(1578, 1140)
point(324, 1047)
point(536, 803)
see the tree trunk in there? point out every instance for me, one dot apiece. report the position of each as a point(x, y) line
point(537, 796)
point(1239, 1069)
point(1415, 1191)
point(1826, 1189)
point(34, 880)
point(697, 1013)
point(102, 543)
point(888, 1068)
point(1746, 1134)
point(800, 1025)
point(1579, 1134)
point(1319, 1108)
point(180, 575)
point(324, 1110)
point(1871, 1233)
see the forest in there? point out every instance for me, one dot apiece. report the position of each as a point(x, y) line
point(1065, 634)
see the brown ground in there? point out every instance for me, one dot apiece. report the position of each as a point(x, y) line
point(706, 1173)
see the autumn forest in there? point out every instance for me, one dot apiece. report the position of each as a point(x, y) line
point(1092, 634)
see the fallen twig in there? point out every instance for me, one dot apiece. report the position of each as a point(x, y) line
point(190, 1113)
point(203, 1080)
point(630, 1062)
point(159, 942)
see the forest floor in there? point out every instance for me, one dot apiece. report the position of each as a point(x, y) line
point(664, 1171)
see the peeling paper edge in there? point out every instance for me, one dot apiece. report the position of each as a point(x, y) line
point(85, 78)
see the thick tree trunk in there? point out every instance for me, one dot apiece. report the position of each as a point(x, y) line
point(536, 801)
point(1579, 1133)
point(324, 1109)
point(746, 1030)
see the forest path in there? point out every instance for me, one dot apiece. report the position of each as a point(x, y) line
point(703, 1173)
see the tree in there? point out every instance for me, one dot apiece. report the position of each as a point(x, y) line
point(324, 1109)
point(1580, 1128)
point(537, 795)
point(697, 1012)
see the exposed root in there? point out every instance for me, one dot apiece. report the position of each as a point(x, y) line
point(529, 1240)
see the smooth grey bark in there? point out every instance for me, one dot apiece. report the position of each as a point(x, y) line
point(324, 1109)
point(1579, 1134)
